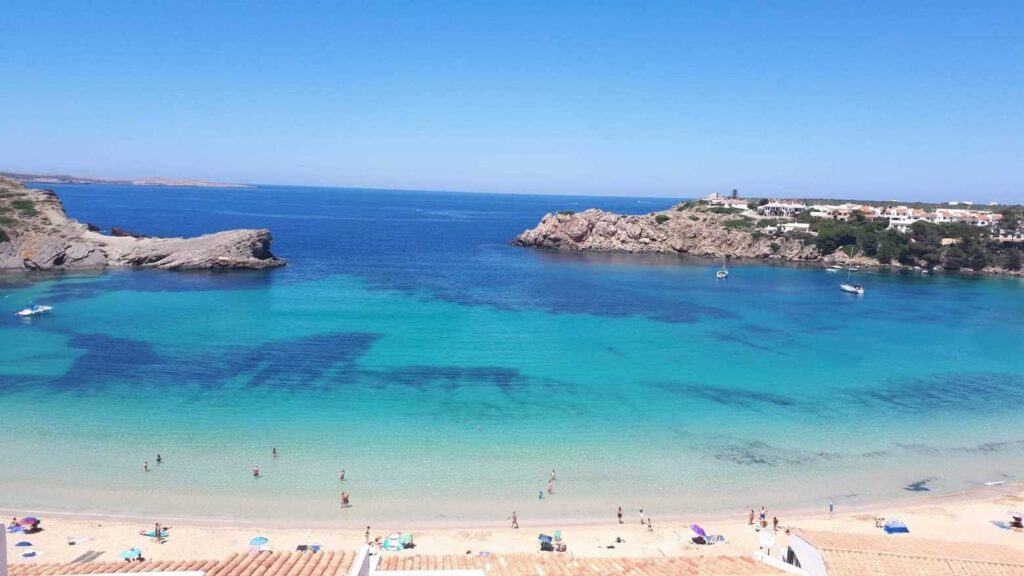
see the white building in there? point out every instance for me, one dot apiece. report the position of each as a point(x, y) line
point(788, 227)
point(781, 209)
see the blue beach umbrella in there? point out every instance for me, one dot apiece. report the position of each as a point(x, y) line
point(24, 543)
point(131, 554)
point(258, 541)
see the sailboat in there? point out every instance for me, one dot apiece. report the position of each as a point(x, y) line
point(851, 287)
point(724, 272)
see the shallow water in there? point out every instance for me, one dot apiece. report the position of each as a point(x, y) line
point(448, 372)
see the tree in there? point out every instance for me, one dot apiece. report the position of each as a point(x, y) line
point(954, 258)
point(1012, 261)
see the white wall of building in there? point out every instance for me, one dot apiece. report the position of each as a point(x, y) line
point(810, 559)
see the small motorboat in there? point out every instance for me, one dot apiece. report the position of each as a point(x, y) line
point(724, 272)
point(833, 269)
point(33, 310)
point(854, 268)
point(852, 288)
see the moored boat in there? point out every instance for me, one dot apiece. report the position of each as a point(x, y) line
point(33, 310)
point(852, 288)
point(724, 272)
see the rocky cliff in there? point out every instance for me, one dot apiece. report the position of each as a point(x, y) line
point(681, 230)
point(36, 234)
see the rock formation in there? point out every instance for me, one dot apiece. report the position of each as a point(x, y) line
point(682, 230)
point(36, 234)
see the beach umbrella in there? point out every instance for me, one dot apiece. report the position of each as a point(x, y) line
point(24, 543)
point(698, 530)
point(131, 554)
point(28, 521)
point(258, 541)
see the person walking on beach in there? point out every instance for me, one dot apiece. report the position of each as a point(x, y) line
point(551, 487)
point(831, 507)
point(619, 514)
point(515, 520)
point(641, 516)
point(256, 471)
point(367, 534)
point(775, 523)
point(649, 527)
point(750, 519)
point(763, 514)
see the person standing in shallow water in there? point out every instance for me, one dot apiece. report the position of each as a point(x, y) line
point(515, 520)
point(750, 519)
point(273, 452)
point(619, 514)
point(159, 459)
point(145, 466)
point(255, 471)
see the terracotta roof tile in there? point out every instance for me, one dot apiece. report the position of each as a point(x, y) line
point(856, 554)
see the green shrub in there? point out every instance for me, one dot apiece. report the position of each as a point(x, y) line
point(1012, 260)
point(724, 210)
point(662, 218)
point(26, 207)
point(737, 224)
point(3, 236)
point(566, 212)
point(694, 217)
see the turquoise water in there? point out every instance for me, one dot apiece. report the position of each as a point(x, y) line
point(448, 373)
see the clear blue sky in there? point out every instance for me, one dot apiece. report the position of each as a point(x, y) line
point(894, 99)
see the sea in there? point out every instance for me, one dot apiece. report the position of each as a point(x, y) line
point(448, 372)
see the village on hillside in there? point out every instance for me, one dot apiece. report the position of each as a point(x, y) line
point(1002, 226)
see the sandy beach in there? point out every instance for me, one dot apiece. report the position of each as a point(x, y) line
point(964, 516)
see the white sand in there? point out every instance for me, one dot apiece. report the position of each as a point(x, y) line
point(966, 516)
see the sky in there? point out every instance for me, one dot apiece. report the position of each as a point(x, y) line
point(877, 100)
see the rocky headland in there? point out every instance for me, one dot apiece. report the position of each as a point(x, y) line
point(696, 229)
point(676, 231)
point(36, 234)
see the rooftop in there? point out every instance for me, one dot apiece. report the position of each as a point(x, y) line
point(859, 554)
point(329, 563)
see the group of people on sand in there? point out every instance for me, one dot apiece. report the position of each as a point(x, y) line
point(158, 533)
point(762, 519)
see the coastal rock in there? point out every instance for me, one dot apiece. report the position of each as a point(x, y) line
point(118, 231)
point(36, 234)
point(677, 231)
